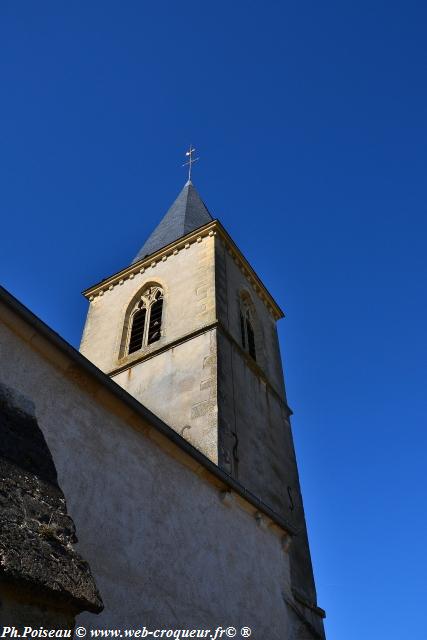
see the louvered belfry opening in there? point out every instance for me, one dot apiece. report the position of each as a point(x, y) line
point(137, 331)
point(251, 339)
point(155, 319)
point(146, 319)
point(247, 324)
point(242, 330)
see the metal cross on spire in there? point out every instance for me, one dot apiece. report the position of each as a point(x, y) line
point(190, 160)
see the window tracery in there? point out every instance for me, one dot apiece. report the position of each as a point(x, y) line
point(146, 319)
point(247, 326)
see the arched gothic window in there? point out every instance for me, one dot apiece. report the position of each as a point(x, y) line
point(247, 326)
point(145, 321)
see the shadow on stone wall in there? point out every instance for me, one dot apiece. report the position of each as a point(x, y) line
point(43, 580)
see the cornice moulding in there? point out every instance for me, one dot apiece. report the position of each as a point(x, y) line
point(211, 229)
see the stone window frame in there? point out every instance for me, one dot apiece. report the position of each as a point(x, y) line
point(145, 298)
point(247, 314)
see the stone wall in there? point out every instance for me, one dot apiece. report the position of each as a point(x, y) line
point(231, 282)
point(201, 382)
point(165, 547)
point(43, 580)
point(180, 386)
point(187, 278)
point(255, 437)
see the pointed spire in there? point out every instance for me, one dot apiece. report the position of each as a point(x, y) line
point(187, 213)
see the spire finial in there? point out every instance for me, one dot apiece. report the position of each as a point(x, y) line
point(190, 160)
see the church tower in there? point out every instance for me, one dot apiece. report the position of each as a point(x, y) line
point(189, 329)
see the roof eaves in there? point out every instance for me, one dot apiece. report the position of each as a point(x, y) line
point(248, 270)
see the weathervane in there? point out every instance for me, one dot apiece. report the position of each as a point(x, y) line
point(190, 160)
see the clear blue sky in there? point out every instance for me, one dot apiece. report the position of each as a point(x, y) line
point(310, 120)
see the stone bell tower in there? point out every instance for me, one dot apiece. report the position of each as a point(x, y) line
point(189, 329)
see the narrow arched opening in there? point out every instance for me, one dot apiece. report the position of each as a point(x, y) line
point(145, 319)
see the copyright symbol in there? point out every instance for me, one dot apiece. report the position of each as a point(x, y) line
point(80, 632)
point(230, 632)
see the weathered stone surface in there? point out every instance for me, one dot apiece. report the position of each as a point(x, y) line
point(171, 385)
point(36, 532)
point(19, 608)
point(184, 312)
point(166, 549)
point(240, 418)
point(252, 405)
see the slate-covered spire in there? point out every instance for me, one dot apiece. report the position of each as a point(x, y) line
point(187, 213)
